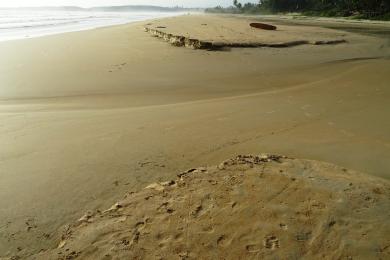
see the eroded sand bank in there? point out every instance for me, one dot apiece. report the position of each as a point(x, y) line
point(86, 117)
point(218, 32)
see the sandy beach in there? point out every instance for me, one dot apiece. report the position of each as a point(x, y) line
point(87, 117)
point(248, 207)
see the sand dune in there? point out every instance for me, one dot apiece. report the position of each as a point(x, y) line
point(249, 207)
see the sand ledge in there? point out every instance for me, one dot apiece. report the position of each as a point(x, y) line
point(182, 41)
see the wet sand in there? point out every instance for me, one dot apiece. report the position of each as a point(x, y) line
point(89, 116)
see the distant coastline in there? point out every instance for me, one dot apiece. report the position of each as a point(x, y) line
point(121, 8)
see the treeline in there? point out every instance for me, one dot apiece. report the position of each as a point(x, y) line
point(238, 8)
point(357, 8)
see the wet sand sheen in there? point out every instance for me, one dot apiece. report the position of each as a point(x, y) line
point(88, 116)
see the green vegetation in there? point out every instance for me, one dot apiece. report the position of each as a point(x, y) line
point(363, 9)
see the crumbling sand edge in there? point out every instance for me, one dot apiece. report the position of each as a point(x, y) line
point(182, 41)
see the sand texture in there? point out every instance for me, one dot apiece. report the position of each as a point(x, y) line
point(86, 117)
point(250, 207)
point(216, 32)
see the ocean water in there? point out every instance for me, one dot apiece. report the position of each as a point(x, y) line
point(20, 24)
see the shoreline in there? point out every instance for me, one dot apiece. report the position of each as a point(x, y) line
point(92, 27)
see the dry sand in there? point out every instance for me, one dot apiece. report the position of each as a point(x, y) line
point(87, 116)
point(220, 31)
point(251, 207)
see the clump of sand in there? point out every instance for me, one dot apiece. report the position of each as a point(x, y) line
point(247, 207)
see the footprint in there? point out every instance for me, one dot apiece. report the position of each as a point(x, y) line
point(178, 236)
point(139, 225)
point(283, 226)
point(303, 236)
point(117, 66)
point(252, 248)
point(196, 212)
point(30, 223)
point(208, 229)
point(271, 242)
point(222, 241)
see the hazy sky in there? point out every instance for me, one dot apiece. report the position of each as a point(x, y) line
point(88, 3)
